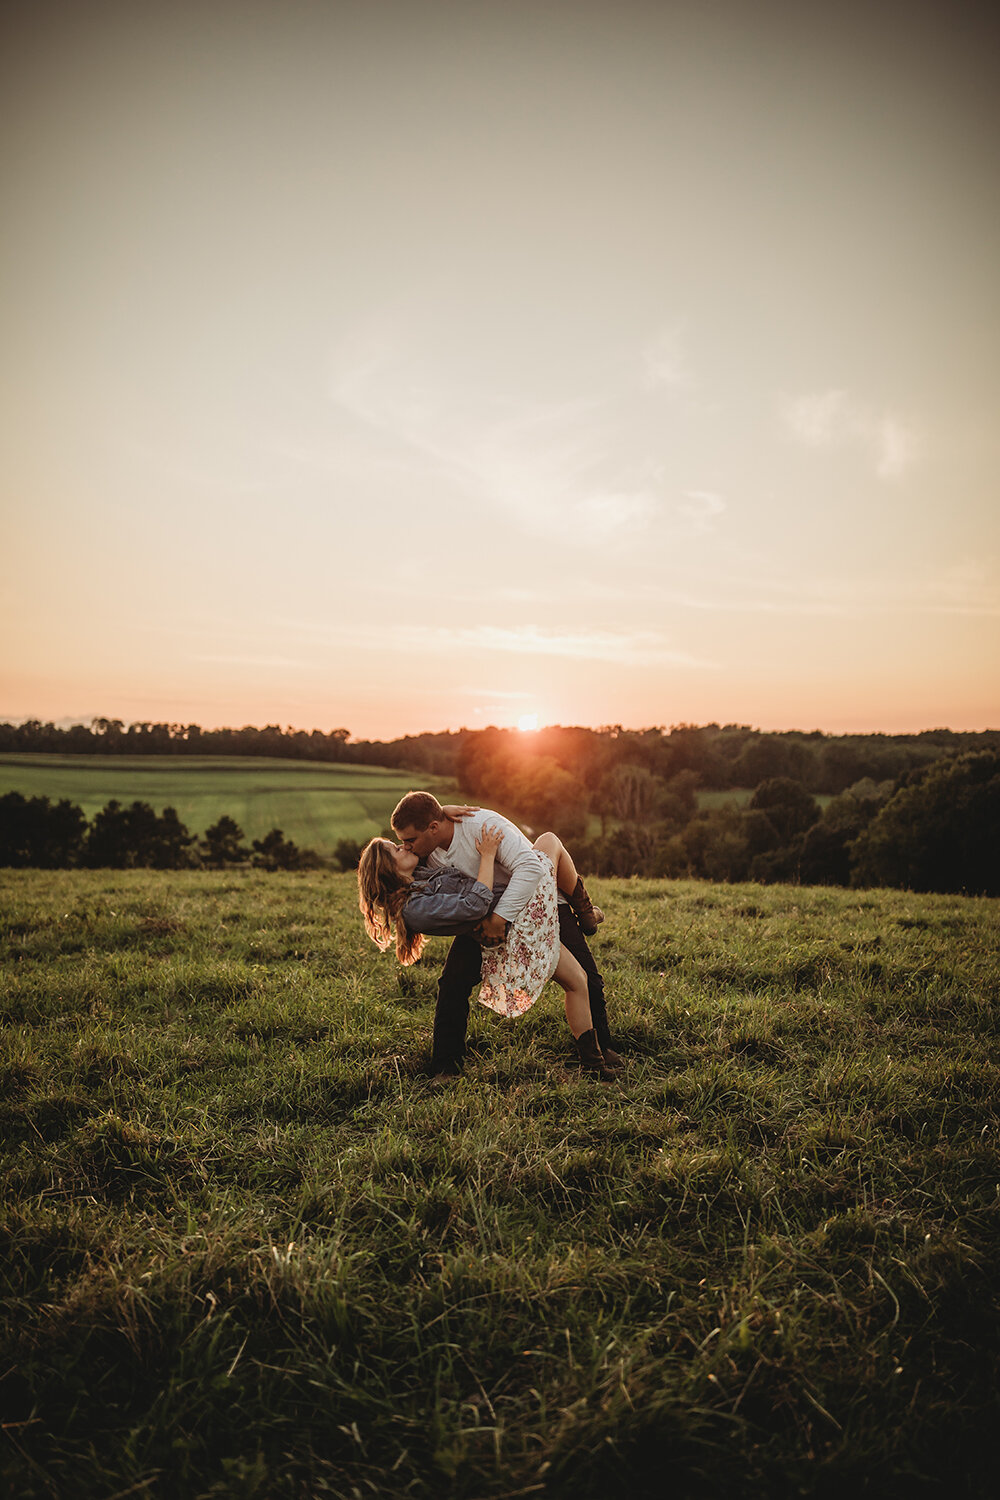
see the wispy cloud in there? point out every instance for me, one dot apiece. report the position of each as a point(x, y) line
point(583, 466)
point(638, 648)
point(608, 513)
point(627, 647)
point(826, 419)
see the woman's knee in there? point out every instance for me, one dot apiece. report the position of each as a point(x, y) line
point(569, 972)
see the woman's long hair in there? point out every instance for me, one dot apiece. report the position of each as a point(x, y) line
point(382, 894)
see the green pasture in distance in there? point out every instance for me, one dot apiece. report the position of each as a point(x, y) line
point(739, 797)
point(314, 803)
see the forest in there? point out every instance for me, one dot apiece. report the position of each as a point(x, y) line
point(919, 812)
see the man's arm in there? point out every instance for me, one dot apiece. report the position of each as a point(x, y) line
point(524, 866)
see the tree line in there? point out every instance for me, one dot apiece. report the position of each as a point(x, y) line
point(721, 756)
point(917, 811)
point(35, 832)
point(935, 829)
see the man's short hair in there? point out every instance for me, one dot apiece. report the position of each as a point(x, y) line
point(417, 810)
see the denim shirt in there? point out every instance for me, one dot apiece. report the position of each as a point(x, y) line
point(445, 902)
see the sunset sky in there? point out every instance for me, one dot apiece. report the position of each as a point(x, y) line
point(409, 364)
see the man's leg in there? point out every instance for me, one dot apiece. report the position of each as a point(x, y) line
point(459, 977)
point(572, 938)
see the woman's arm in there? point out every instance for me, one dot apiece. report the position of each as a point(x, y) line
point(456, 811)
point(487, 843)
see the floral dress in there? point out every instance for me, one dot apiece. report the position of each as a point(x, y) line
point(515, 972)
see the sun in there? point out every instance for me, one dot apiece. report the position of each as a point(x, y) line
point(528, 722)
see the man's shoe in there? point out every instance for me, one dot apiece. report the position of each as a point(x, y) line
point(587, 914)
point(592, 1058)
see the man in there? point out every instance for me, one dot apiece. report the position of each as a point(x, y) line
point(422, 825)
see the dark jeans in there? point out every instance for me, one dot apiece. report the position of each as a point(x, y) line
point(460, 976)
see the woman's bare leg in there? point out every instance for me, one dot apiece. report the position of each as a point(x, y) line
point(570, 975)
point(562, 861)
point(567, 875)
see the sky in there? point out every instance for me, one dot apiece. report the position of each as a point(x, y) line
point(405, 365)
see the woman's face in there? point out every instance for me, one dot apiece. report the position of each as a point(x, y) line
point(405, 860)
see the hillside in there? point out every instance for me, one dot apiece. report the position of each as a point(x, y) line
point(315, 804)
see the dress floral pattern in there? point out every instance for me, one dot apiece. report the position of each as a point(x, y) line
point(516, 971)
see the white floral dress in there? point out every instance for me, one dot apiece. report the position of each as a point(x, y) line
point(516, 971)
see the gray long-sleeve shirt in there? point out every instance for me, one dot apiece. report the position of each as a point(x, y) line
point(446, 902)
point(518, 867)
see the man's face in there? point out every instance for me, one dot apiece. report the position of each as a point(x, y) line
point(420, 841)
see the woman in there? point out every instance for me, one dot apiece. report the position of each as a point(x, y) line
point(397, 903)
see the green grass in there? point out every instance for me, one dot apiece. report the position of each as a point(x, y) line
point(314, 804)
point(247, 1249)
point(739, 797)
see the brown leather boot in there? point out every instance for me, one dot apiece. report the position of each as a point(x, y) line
point(588, 915)
point(591, 1057)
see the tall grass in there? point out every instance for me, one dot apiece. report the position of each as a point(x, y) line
point(249, 1249)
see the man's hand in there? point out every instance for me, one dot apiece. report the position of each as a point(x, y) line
point(456, 813)
point(493, 929)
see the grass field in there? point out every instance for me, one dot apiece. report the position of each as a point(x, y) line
point(739, 797)
point(248, 1249)
point(314, 804)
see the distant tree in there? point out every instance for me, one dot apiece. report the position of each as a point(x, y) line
point(787, 804)
point(678, 799)
point(940, 833)
point(133, 837)
point(632, 793)
point(549, 796)
point(628, 851)
point(111, 838)
point(758, 831)
point(716, 844)
point(851, 812)
point(824, 856)
point(275, 852)
point(347, 853)
point(34, 831)
point(221, 844)
point(171, 842)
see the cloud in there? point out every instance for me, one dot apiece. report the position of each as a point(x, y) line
point(586, 467)
point(607, 513)
point(531, 459)
point(630, 648)
point(638, 648)
point(827, 419)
